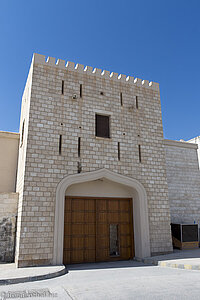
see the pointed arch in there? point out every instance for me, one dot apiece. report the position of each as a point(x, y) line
point(140, 210)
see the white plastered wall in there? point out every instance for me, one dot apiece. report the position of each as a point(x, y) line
point(9, 143)
point(196, 140)
point(99, 188)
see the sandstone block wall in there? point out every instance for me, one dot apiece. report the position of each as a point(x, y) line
point(8, 213)
point(183, 178)
point(48, 113)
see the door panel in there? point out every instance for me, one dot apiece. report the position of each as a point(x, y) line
point(90, 229)
point(77, 229)
point(77, 256)
point(97, 229)
point(113, 217)
point(125, 229)
point(90, 242)
point(113, 205)
point(90, 256)
point(90, 217)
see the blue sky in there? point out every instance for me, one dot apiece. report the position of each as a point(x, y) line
point(157, 40)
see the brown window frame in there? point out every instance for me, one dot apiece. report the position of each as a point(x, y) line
point(103, 132)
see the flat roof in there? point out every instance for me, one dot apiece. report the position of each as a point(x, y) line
point(9, 135)
point(180, 144)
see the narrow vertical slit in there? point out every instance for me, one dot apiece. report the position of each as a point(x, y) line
point(139, 151)
point(79, 167)
point(60, 144)
point(121, 99)
point(118, 150)
point(22, 134)
point(79, 147)
point(62, 87)
point(136, 101)
point(81, 90)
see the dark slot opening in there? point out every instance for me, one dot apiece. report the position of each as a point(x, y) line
point(62, 87)
point(81, 90)
point(121, 99)
point(22, 134)
point(118, 150)
point(60, 144)
point(79, 147)
point(139, 150)
point(136, 101)
point(79, 167)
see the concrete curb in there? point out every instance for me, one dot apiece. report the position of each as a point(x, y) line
point(169, 264)
point(8, 281)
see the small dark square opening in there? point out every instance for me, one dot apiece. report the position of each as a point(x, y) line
point(102, 126)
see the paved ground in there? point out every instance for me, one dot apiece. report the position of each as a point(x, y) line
point(182, 259)
point(119, 280)
point(10, 274)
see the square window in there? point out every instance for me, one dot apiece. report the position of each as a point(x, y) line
point(102, 126)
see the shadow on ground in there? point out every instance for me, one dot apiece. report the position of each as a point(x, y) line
point(179, 254)
point(106, 265)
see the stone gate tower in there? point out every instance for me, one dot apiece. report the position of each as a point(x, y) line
point(95, 135)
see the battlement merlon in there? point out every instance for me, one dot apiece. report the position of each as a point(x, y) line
point(71, 66)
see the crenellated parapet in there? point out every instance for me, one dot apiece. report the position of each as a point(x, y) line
point(71, 66)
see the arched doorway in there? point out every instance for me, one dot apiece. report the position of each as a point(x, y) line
point(140, 209)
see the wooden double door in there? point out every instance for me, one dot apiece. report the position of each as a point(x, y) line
point(97, 229)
